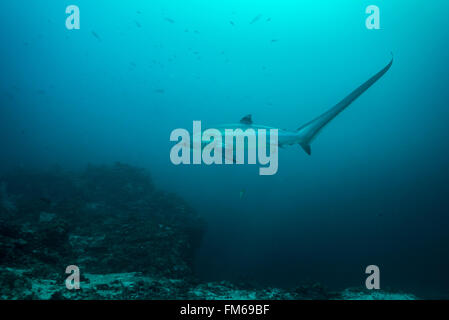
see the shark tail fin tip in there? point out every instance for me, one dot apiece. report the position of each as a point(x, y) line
point(306, 147)
point(311, 129)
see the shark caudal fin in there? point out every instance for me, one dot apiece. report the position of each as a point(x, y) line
point(309, 131)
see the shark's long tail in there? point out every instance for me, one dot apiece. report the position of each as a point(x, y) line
point(309, 131)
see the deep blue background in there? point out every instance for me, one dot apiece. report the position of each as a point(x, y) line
point(374, 191)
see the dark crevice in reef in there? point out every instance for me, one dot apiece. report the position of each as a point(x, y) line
point(129, 239)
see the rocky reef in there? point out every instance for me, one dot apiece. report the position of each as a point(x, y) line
point(129, 239)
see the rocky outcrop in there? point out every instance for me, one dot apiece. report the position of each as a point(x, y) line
point(17, 284)
point(106, 219)
point(129, 240)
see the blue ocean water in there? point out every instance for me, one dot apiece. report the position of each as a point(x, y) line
point(374, 190)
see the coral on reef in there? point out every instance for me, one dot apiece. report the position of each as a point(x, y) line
point(105, 219)
point(134, 285)
point(129, 239)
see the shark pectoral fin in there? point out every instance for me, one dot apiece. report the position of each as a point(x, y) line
point(233, 159)
point(225, 156)
point(306, 148)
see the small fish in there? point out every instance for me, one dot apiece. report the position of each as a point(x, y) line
point(96, 35)
point(232, 23)
point(268, 20)
point(138, 12)
point(137, 24)
point(242, 193)
point(256, 18)
point(196, 31)
point(169, 20)
point(159, 90)
point(274, 40)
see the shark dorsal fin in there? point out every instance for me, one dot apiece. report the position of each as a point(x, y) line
point(247, 120)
